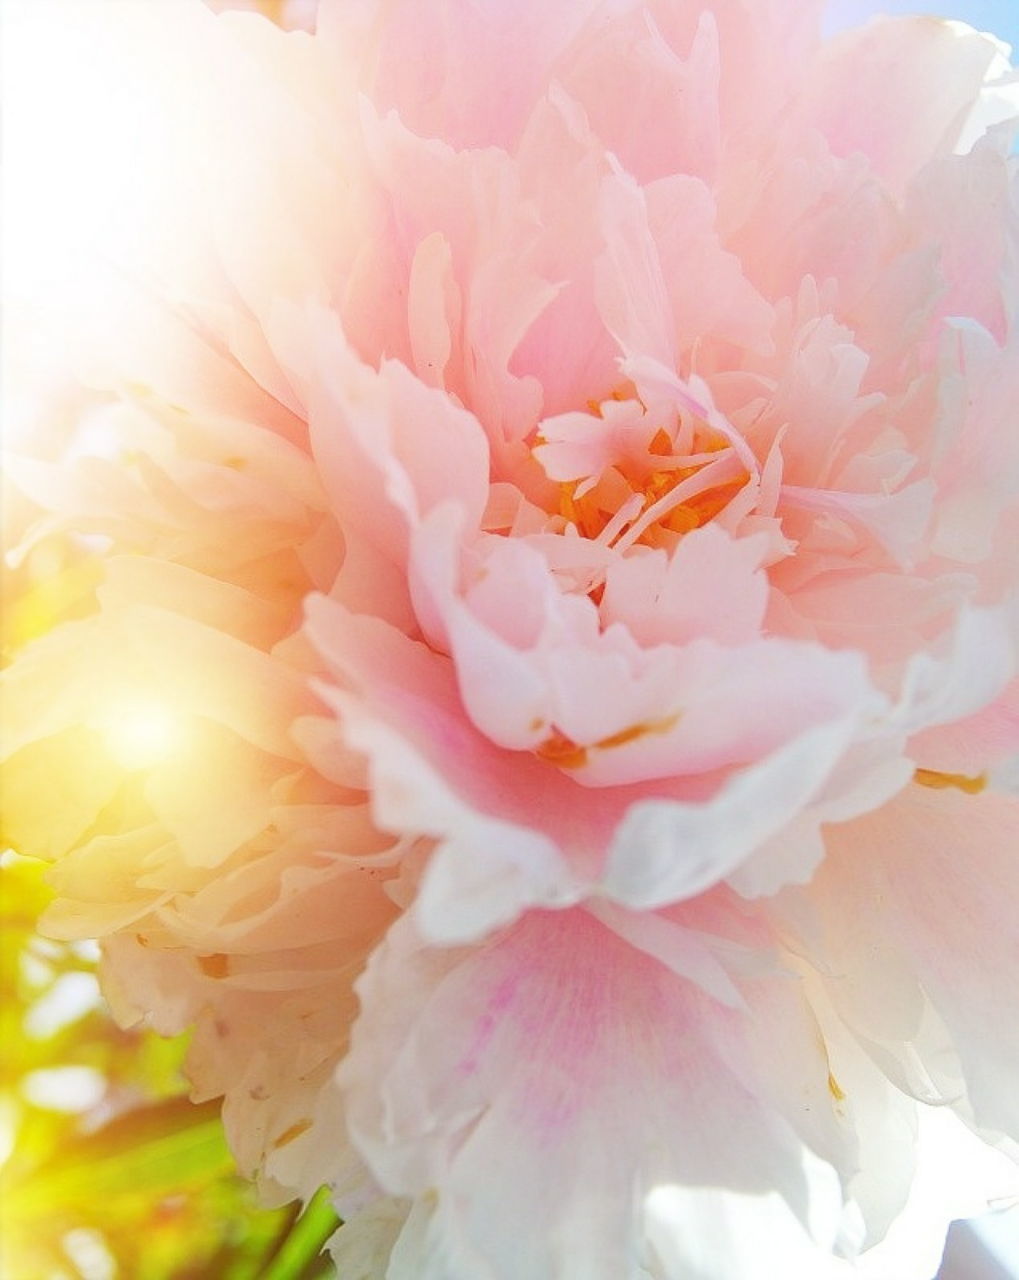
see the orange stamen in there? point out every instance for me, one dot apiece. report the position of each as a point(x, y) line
point(564, 753)
point(288, 1135)
point(561, 751)
point(214, 966)
point(637, 731)
point(939, 781)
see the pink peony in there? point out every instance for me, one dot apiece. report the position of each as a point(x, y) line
point(548, 713)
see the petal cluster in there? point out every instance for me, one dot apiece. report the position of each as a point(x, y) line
point(540, 488)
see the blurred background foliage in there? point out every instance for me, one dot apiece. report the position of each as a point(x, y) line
point(109, 1171)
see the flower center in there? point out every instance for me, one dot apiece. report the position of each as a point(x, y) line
point(655, 496)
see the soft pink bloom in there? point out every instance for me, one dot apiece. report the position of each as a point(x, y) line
point(559, 496)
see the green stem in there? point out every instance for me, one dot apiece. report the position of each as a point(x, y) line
point(305, 1240)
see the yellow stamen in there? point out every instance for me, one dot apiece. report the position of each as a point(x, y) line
point(637, 731)
point(939, 781)
point(593, 510)
point(563, 752)
point(288, 1135)
point(835, 1089)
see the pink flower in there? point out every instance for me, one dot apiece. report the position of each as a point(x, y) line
point(558, 499)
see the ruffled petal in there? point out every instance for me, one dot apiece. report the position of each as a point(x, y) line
point(492, 1079)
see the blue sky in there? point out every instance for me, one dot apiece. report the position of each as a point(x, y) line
point(999, 16)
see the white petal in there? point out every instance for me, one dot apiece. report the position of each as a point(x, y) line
point(664, 851)
point(531, 1093)
point(485, 871)
point(361, 1248)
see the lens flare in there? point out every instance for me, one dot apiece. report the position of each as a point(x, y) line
point(142, 734)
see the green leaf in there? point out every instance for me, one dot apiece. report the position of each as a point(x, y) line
point(156, 1150)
